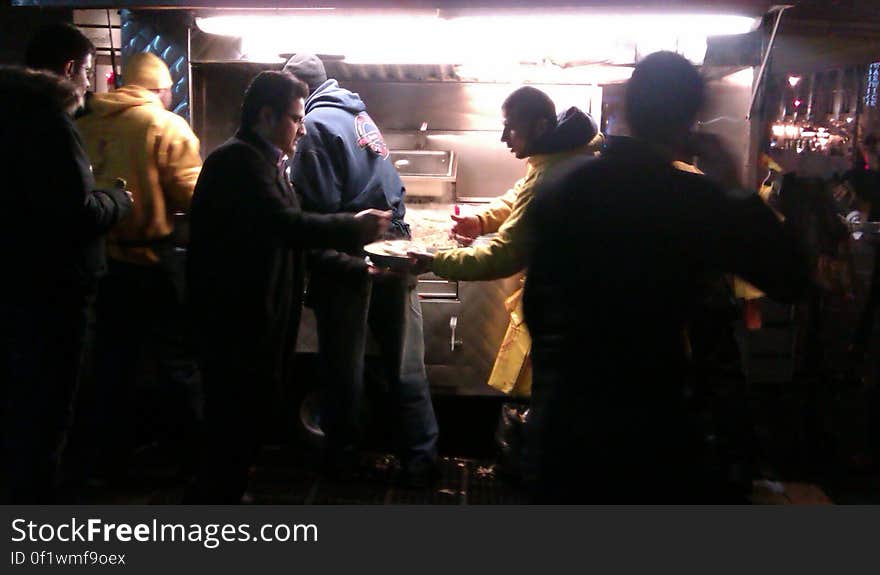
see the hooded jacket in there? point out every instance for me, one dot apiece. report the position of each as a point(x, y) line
point(341, 164)
point(575, 135)
point(623, 246)
point(52, 219)
point(129, 134)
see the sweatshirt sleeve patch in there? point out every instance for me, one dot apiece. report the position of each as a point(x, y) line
point(369, 136)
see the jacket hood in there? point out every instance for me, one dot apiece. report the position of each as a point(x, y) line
point(36, 88)
point(330, 95)
point(574, 128)
point(122, 99)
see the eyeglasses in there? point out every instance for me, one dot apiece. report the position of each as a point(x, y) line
point(88, 72)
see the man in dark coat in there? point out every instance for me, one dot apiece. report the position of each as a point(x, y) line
point(51, 242)
point(342, 166)
point(623, 246)
point(245, 277)
point(864, 178)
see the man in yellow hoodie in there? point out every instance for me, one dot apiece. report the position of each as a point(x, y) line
point(534, 132)
point(130, 133)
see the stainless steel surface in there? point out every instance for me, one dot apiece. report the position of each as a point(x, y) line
point(432, 290)
point(725, 112)
point(462, 117)
point(757, 85)
point(433, 164)
point(453, 323)
point(426, 173)
point(464, 121)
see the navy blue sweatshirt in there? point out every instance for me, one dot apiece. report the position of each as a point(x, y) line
point(341, 164)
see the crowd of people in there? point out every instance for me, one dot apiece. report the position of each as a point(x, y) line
point(622, 240)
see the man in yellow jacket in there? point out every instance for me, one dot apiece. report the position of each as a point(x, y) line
point(130, 133)
point(534, 132)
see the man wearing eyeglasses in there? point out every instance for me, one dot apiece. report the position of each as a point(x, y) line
point(62, 49)
point(245, 278)
point(51, 241)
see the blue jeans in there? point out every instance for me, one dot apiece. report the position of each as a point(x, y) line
point(390, 307)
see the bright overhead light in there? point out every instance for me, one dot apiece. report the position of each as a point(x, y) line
point(424, 38)
point(743, 78)
point(793, 80)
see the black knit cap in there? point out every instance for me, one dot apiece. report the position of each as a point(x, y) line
point(308, 68)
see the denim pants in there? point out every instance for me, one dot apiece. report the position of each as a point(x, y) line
point(389, 306)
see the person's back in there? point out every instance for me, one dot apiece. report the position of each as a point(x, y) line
point(38, 138)
point(129, 133)
point(624, 246)
point(650, 235)
point(341, 164)
point(52, 224)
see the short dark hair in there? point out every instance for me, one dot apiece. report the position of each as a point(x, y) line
point(530, 104)
point(54, 45)
point(663, 96)
point(273, 89)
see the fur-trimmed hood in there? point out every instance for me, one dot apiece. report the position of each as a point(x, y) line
point(37, 88)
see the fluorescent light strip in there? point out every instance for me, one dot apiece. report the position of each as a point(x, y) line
point(398, 38)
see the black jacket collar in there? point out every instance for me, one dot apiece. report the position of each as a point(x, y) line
point(270, 152)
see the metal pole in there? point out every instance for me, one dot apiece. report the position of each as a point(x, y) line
point(766, 57)
point(112, 52)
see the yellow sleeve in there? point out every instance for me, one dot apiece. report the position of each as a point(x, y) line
point(500, 257)
point(496, 213)
point(179, 162)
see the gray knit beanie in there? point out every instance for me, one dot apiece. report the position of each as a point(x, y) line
point(308, 68)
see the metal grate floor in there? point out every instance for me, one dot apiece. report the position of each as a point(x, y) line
point(282, 477)
point(461, 482)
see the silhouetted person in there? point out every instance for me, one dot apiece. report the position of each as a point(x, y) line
point(624, 246)
point(51, 242)
point(131, 133)
point(865, 181)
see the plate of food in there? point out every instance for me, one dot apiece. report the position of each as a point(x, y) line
point(393, 254)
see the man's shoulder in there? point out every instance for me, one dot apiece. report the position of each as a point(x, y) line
point(328, 119)
point(232, 154)
point(175, 122)
point(576, 166)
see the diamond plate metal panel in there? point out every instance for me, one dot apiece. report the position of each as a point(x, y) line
point(165, 35)
point(480, 323)
point(484, 321)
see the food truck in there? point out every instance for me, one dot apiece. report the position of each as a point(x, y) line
point(434, 76)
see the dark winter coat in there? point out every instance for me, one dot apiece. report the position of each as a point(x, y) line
point(52, 220)
point(245, 263)
point(623, 246)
